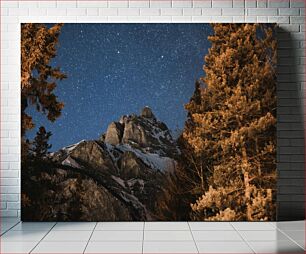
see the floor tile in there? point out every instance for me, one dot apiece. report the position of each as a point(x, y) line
point(17, 247)
point(253, 226)
point(216, 236)
point(120, 226)
point(22, 236)
point(273, 223)
point(107, 236)
point(273, 235)
point(301, 243)
point(297, 236)
point(276, 247)
point(69, 236)
point(291, 225)
point(169, 247)
point(114, 247)
point(33, 226)
point(224, 247)
point(60, 247)
point(5, 226)
point(210, 226)
point(9, 224)
point(3, 230)
point(167, 236)
point(158, 225)
point(69, 226)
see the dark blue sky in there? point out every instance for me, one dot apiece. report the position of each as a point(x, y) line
point(117, 69)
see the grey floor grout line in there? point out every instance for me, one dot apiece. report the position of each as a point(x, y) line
point(143, 232)
point(272, 223)
point(90, 237)
point(290, 238)
point(232, 226)
point(244, 240)
point(42, 238)
point(193, 238)
point(10, 228)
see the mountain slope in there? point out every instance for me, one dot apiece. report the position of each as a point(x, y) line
point(127, 163)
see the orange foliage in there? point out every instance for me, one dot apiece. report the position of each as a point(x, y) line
point(232, 125)
point(38, 47)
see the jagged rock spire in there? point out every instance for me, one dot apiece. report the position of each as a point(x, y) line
point(114, 133)
point(147, 112)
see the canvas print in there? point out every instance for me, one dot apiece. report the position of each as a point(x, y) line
point(148, 122)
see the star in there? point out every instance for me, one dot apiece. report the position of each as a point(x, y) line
point(157, 66)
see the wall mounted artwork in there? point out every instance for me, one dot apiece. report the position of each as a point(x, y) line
point(148, 122)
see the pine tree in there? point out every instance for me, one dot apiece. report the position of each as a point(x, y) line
point(231, 133)
point(38, 77)
point(40, 144)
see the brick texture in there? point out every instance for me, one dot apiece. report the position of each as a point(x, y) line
point(289, 14)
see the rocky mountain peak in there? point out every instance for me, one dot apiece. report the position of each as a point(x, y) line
point(147, 113)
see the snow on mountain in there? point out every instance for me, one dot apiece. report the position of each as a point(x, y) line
point(153, 160)
point(69, 148)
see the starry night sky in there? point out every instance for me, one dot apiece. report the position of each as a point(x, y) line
point(117, 69)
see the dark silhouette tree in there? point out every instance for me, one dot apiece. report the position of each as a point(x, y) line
point(40, 144)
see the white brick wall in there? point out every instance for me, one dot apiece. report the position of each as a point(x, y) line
point(290, 14)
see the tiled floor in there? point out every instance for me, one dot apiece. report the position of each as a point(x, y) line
point(152, 237)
